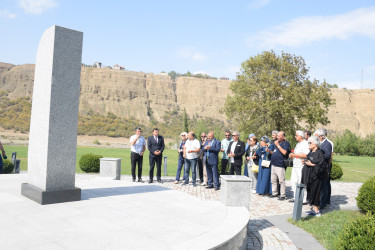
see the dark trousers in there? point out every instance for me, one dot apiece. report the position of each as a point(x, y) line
point(212, 174)
point(235, 169)
point(224, 164)
point(155, 159)
point(181, 162)
point(1, 165)
point(329, 185)
point(200, 169)
point(134, 159)
point(324, 192)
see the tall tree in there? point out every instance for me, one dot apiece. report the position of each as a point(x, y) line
point(275, 93)
point(186, 125)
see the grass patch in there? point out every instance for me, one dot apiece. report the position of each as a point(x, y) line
point(124, 154)
point(356, 168)
point(327, 227)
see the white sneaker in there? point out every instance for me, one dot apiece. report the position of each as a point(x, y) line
point(254, 191)
point(175, 182)
point(204, 184)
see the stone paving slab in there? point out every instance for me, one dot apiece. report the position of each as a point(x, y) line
point(115, 214)
point(262, 234)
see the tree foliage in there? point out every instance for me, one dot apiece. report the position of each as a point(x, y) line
point(186, 124)
point(275, 93)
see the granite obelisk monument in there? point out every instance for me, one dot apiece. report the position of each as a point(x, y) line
point(54, 118)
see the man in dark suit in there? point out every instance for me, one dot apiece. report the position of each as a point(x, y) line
point(211, 150)
point(236, 150)
point(326, 147)
point(155, 145)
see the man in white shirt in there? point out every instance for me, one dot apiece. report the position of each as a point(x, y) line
point(300, 152)
point(192, 147)
point(224, 148)
point(138, 147)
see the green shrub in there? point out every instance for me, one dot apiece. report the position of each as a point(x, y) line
point(336, 171)
point(8, 166)
point(90, 163)
point(366, 196)
point(358, 234)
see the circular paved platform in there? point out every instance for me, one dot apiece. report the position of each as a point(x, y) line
point(262, 234)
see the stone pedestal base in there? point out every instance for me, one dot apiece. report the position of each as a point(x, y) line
point(110, 167)
point(235, 190)
point(44, 197)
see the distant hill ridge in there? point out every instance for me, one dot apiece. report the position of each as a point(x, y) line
point(146, 96)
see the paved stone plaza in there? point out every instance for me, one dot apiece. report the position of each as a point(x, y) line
point(262, 234)
point(65, 225)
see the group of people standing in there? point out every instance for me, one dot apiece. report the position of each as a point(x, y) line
point(265, 162)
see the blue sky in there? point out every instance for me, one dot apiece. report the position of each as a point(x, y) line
point(336, 38)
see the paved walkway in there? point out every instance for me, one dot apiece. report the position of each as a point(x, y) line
point(262, 234)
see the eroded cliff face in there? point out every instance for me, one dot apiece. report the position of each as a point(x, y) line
point(143, 96)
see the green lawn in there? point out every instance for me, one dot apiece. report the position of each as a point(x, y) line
point(124, 154)
point(356, 168)
point(327, 227)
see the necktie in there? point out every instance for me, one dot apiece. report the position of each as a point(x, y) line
point(156, 139)
point(208, 152)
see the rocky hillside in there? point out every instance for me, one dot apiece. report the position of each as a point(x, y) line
point(146, 96)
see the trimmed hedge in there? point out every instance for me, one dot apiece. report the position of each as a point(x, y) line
point(90, 163)
point(336, 171)
point(366, 196)
point(8, 166)
point(358, 234)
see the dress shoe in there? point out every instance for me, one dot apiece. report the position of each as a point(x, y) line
point(133, 179)
point(274, 196)
point(140, 180)
point(160, 181)
point(281, 198)
point(194, 185)
point(208, 187)
point(217, 188)
point(150, 181)
point(185, 183)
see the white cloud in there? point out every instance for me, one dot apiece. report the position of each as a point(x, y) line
point(257, 4)
point(36, 6)
point(190, 53)
point(305, 30)
point(6, 14)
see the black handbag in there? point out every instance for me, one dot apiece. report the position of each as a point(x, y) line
point(288, 162)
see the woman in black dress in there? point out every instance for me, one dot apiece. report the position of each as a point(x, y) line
point(313, 174)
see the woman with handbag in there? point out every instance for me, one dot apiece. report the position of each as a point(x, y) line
point(264, 186)
point(253, 162)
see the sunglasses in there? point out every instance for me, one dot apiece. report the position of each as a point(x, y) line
point(203, 136)
point(234, 135)
point(227, 135)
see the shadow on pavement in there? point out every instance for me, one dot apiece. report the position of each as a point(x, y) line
point(87, 194)
point(255, 240)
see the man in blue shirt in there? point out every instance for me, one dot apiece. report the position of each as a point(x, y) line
point(280, 152)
